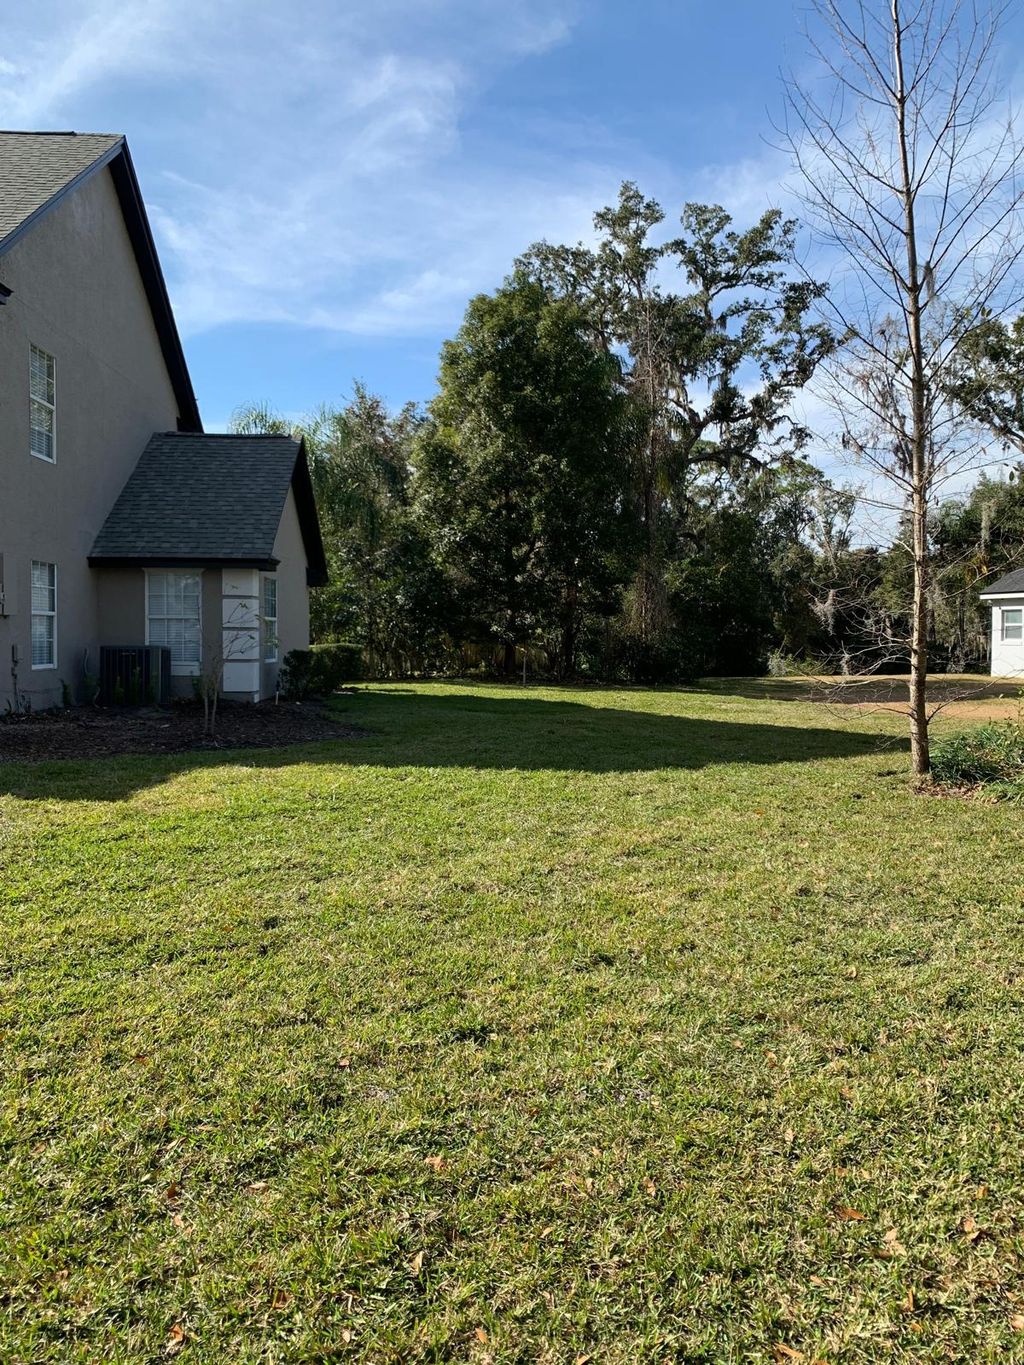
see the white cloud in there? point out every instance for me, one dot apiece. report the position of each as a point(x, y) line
point(305, 163)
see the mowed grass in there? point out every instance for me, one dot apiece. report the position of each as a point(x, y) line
point(536, 1025)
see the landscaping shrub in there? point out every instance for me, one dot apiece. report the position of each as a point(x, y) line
point(320, 670)
point(296, 676)
point(992, 753)
point(335, 665)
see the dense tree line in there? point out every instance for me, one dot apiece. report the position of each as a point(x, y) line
point(609, 478)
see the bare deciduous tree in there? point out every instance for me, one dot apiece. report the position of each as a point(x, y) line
point(911, 168)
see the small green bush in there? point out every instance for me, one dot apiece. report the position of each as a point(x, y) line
point(992, 753)
point(295, 678)
point(781, 665)
point(319, 671)
point(336, 664)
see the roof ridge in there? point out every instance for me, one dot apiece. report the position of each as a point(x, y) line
point(229, 435)
point(52, 132)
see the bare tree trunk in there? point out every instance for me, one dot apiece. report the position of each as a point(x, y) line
point(919, 481)
point(920, 760)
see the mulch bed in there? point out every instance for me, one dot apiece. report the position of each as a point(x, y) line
point(97, 732)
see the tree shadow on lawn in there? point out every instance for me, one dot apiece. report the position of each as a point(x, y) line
point(408, 729)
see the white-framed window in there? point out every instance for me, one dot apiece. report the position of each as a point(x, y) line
point(42, 394)
point(44, 614)
point(1013, 625)
point(270, 618)
point(174, 616)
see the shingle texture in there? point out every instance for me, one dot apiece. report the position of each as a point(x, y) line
point(34, 167)
point(201, 498)
point(1011, 582)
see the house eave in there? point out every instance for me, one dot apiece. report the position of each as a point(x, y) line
point(265, 563)
point(309, 520)
point(1000, 596)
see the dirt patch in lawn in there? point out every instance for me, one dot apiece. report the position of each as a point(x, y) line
point(97, 732)
point(963, 697)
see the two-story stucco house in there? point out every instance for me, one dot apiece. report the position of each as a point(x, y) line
point(121, 522)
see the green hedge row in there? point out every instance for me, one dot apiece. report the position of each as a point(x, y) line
point(320, 670)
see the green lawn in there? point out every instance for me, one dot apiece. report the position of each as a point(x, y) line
point(535, 1026)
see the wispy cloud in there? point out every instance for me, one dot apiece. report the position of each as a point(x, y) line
point(307, 163)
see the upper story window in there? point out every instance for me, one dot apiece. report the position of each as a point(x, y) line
point(1013, 624)
point(270, 619)
point(43, 403)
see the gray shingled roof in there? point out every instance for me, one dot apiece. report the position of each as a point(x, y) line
point(1011, 582)
point(194, 497)
point(36, 167)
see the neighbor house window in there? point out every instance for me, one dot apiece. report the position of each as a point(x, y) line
point(270, 619)
point(1013, 624)
point(44, 614)
point(173, 617)
point(42, 402)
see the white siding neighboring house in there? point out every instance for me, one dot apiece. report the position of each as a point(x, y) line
point(1006, 598)
point(121, 523)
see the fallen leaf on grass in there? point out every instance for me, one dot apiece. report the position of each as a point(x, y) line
point(416, 1264)
point(481, 1334)
point(650, 1186)
point(281, 1300)
point(1017, 1322)
point(175, 1340)
point(784, 1352)
point(436, 1163)
point(850, 1215)
point(970, 1229)
point(818, 1282)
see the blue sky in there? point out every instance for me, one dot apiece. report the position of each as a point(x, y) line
point(329, 182)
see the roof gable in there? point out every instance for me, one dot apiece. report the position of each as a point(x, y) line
point(37, 170)
point(1006, 586)
point(40, 168)
point(211, 499)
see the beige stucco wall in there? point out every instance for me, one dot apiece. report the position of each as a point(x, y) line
point(292, 592)
point(121, 607)
point(76, 294)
